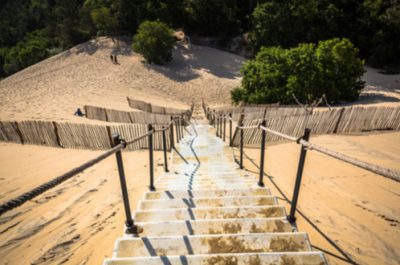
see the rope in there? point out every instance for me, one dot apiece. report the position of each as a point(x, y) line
point(288, 137)
point(140, 137)
point(18, 201)
point(248, 127)
point(394, 175)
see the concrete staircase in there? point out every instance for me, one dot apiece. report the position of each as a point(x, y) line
point(207, 211)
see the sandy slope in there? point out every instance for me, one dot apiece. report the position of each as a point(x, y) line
point(78, 221)
point(359, 210)
point(54, 88)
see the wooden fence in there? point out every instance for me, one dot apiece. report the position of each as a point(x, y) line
point(148, 107)
point(252, 112)
point(77, 136)
point(338, 120)
point(111, 115)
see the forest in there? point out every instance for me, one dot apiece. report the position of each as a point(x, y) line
point(32, 30)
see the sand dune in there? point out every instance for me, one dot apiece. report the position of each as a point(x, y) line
point(54, 88)
point(78, 221)
point(75, 222)
point(359, 210)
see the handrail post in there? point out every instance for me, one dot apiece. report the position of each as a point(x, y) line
point(172, 140)
point(230, 129)
point(176, 130)
point(240, 123)
point(217, 131)
point(129, 221)
point(263, 136)
point(151, 165)
point(220, 127)
point(224, 121)
point(300, 168)
point(241, 148)
point(182, 124)
point(164, 140)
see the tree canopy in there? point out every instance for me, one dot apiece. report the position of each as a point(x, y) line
point(308, 71)
point(155, 41)
point(31, 30)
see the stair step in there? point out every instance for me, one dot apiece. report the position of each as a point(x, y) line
point(210, 173)
point(216, 226)
point(283, 258)
point(226, 185)
point(211, 244)
point(176, 194)
point(210, 213)
point(207, 202)
point(207, 178)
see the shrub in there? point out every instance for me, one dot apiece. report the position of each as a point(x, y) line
point(155, 41)
point(307, 71)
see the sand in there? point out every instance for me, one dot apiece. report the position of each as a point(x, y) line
point(54, 88)
point(359, 210)
point(78, 221)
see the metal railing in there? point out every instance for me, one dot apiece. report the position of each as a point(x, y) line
point(118, 145)
point(219, 122)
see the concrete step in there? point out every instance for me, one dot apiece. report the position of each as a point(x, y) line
point(221, 185)
point(209, 213)
point(282, 258)
point(211, 244)
point(205, 181)
point(210, 173)
point(207, 202)
point(216, 226)
point(206, 177)
point(177, 194)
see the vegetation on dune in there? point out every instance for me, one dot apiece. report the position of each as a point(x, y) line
point(155, 41)
point(307, 71)
point(31, 30)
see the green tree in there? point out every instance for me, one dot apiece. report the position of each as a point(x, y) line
point(308, 71)
point(288, 23)
point(155, 41)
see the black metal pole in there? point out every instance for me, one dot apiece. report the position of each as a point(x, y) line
point(224, 121)
point(164, 141)
point(177, 130)
point(217, 127)
point(220, 127)
point(151, 165)
point(182, 124)
point(263, 135)
point(300, 168)
point(129, 221)
point(241, 148)
point(230, 129)
point(172, 140)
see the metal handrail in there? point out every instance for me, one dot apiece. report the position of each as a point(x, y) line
point(119, 144)
point(18, 201)
point(305, 145)
point(395, 175)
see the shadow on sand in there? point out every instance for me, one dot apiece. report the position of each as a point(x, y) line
point(186, 63)
point(118, 45)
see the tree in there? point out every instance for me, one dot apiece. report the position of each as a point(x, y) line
point(288, 23)
point(155, 41)
point(307, 71)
